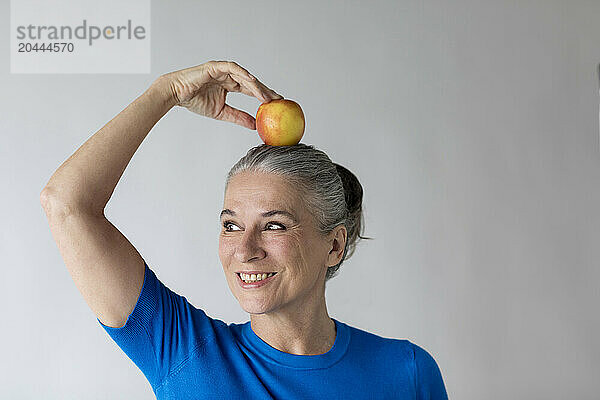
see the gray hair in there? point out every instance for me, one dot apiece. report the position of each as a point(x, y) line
point(331, 193)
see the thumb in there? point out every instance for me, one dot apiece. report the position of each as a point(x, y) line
point(236, 116)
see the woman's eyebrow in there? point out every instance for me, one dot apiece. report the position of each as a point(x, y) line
point(280, 212)
point(267, 214)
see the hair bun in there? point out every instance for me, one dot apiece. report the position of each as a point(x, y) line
point(353, 194)
point(353, 191)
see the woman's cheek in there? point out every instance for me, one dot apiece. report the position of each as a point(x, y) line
point(226, 247)
point(282, 244)
point(290, 248)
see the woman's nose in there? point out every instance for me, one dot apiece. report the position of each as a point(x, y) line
point(249, 248)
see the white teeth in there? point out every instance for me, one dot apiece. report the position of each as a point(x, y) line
point(255, 277)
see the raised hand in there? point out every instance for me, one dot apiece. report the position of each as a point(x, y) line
point(203, 90)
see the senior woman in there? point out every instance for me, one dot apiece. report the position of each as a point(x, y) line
point(290, 218)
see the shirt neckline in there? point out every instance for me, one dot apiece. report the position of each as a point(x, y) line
point(337, 351)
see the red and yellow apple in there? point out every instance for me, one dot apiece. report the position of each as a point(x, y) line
point(280, 122)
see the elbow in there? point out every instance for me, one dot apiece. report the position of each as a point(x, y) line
point(45, 197)
point(57, 206)
point(51, 204)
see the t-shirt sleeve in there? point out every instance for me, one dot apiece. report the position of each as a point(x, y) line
point(159, 332)
point(429, 382)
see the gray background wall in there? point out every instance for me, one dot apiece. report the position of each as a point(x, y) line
point(473, 127)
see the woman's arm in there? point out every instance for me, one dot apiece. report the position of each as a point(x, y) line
point(106, 268)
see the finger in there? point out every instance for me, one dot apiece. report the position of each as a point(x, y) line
point(234, 68)
point(259, 90)
point(232, 83)
point(236, 84)
point(254, 91)
point(229, 69)
point(236, 116)
point(271, 94)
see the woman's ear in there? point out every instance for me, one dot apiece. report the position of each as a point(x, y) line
point(337, 239)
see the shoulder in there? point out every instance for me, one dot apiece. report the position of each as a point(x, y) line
point(428, 377)
point(422, 358)
point(420, 353)
point(401, 350)
point(380, 345)
point(402, 359)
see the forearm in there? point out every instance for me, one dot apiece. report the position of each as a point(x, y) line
point(87, 179)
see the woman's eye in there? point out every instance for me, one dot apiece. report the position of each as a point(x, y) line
point(227, 224)
point(276, 224)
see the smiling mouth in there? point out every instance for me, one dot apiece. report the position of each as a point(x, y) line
point(251, 278)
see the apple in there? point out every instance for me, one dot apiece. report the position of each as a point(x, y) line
point(280, 122)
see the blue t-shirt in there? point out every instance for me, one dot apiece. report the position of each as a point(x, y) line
point(186, 354)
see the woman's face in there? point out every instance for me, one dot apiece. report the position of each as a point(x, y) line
point(286, 244)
